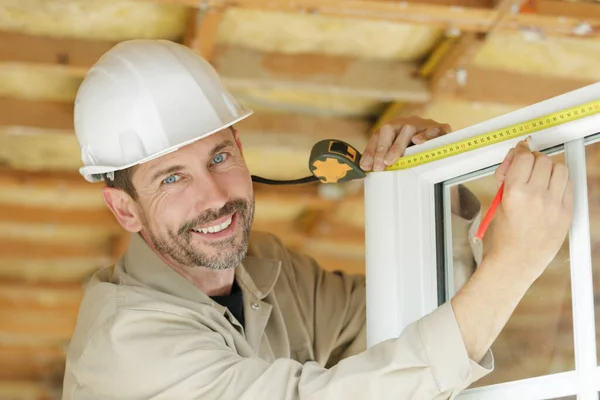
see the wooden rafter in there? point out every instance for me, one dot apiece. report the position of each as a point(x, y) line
point(73, 54)
point(501, 86)
point(261, 128)
point(202, 29)
point(443, 14)
point(320, 74)
point(247, 69)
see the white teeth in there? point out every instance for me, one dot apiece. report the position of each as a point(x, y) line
point(216, 228)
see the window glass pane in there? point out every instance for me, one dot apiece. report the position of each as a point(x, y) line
point(592, 157)
point(538, 338)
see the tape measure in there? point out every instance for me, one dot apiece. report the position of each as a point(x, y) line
point(334, 161)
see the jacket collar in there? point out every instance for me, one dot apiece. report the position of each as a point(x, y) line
point(255, 275)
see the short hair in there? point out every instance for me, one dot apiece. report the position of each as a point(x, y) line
point(122, 181)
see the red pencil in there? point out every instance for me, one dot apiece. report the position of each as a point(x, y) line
point(490, 213)
point(496, 202)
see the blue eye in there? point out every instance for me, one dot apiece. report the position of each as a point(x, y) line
point(219, 158)
point(171, 179)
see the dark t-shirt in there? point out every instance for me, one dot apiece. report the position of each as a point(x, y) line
point(234, 302)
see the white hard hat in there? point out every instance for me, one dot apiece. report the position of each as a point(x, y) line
point(146, 98)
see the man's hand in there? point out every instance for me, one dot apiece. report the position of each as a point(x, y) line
point(535, 214)
point(387, 145)
point(528, 230)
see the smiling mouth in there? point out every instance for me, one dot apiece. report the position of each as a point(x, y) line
point(215, 228)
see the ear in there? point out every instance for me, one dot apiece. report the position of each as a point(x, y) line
point(237, 139)
point(123, 208)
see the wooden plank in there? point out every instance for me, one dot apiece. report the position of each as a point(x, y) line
point(244, 68)
point(35, 113)
point(59, 270)
point(374, 79)
point(10, 179)
point(448, 15)
point(74, 54)
point(261, 128)
point(202, 30)
point(45, 313)
point(581, 10)
point(271, 141)
point(430, 13)
point(42, 296)
point(101, 218)
point(27, 249)
point(502, 86)
point(46, 326)
point(41, 362)
point(28, 390)
point(461, 52)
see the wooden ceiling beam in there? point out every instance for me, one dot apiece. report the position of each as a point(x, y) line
point(35, 314)
point(76, 55)
point(101, 218)
point(462, 15)
point(202, 29)
point(479, 84)
point(275, 145)
point(19, 248)
point(581, 10)
point(260, 128)
point(383, 80)
point(242, 69)
point(41, 362)
point(36, 113)
point(29, 390)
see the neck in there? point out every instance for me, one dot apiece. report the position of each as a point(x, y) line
point(210, 281)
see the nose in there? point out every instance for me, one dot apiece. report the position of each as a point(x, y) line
point(210, 193)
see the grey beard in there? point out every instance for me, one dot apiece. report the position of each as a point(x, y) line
point(228, 255)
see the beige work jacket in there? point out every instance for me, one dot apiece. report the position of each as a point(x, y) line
point(145, 332)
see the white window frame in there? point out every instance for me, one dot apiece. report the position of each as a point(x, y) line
point(401, 234)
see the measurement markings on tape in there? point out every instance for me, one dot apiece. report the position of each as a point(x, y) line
point(497, 136)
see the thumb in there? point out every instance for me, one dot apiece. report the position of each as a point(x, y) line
point(504, 166)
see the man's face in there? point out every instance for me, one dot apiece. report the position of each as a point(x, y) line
point(197, 204)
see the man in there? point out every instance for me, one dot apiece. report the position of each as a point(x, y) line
point(201, 308)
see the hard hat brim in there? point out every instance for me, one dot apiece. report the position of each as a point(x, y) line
point(94, 173)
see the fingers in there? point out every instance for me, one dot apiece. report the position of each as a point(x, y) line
point(401, 143)
point(366, 161)
point(424, 136)
point(386, 138)
point(504, 166)
point(521, 166)
point(431, 133)
point(559, 180)
point(408, 134)
point(389, 144)
point(542, 169)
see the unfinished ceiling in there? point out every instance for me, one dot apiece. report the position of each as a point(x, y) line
point(309, 71)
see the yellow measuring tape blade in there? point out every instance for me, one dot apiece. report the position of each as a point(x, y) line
point(497, 136)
